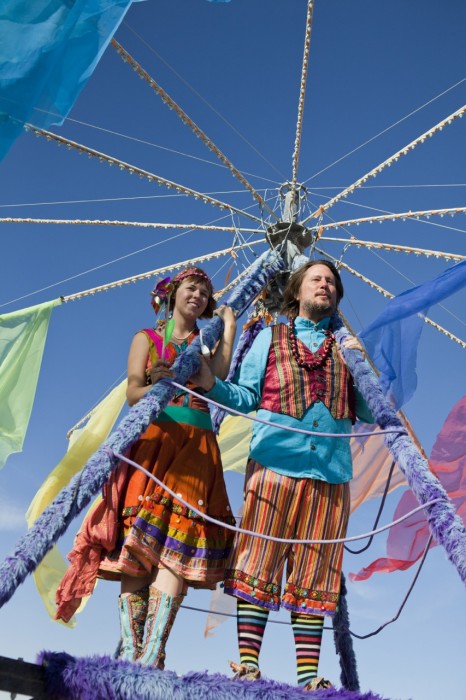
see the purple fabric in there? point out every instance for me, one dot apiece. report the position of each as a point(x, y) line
point(393, 337)
point(177, 546)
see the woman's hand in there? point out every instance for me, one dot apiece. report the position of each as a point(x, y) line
point(160, 370)
point(227, 314)
point(203, 377)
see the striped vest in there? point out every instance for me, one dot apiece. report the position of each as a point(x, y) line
point(291, 389)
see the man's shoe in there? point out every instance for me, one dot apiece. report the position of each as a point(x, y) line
point(244, 672)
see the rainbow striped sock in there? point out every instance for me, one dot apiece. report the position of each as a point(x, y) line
point(307, 630)
point(251, 622)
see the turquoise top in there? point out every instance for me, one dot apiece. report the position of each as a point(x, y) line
point(292, 454)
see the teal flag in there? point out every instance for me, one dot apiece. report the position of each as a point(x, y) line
point(22, 340)
point(48, 51)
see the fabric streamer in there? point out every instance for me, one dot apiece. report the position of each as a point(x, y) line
point(406, 542)
point(83, 444)
point(393, 337)
point(49, 50)
point(22, 339)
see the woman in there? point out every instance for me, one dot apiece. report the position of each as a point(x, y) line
point(139, 533)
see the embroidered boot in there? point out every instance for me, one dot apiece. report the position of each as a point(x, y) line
point(160, 618)
point(133, 612)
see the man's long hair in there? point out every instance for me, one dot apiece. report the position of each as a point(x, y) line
point(290, 305)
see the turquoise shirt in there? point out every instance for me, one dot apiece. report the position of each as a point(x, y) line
point(285, 452)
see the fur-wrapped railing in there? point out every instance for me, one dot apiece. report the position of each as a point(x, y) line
point(446, 526)
point(53, 522)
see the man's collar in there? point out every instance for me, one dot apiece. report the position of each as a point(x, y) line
point(305, 323)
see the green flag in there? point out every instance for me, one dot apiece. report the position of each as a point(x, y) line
point(22, 340)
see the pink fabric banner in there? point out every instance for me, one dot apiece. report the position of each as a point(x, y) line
point(406, 542)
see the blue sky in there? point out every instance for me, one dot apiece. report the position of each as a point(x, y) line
point(235, 68)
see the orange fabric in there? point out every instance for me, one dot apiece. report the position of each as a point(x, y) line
point(98, 533)
point(187, 459)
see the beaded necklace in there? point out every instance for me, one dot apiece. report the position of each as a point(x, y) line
point(315, 359)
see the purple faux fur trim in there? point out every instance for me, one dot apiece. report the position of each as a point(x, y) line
point(104, 678)
point(244, 344)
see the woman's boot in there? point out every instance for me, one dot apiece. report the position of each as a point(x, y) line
point(161, 615)
point(133, 609)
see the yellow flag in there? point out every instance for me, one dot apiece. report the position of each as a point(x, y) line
point(85, 442)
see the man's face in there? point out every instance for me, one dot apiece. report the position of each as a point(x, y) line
point(318, 293)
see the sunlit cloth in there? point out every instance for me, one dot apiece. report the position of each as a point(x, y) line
point(392, 338)
point(233, 439)
point(22, 339)
point(83, 444)
point(406, 542)
point(48, 51)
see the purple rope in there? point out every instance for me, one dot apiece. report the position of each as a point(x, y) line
point(260, 535)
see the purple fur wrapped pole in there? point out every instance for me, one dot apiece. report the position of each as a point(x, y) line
point(344, 643)
point(446, 526)
point(54, 521)
point(103, 678)
point(244, 344)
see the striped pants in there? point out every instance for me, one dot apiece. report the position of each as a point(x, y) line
point(289, 508)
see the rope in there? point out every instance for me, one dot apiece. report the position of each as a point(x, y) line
point(135, 170)
point(206, 102)
point(117, 222)
point(260, 535)
point(302, 94)
point(379, 513)
point(388, 295)
point(388, 162)
point(384, 131)
point(403, 602)
point(454, 257)
point(151, 273)
point(393, 217)
point(391, 214)
point(301, 431)
point(353, 634)
point(171, 104)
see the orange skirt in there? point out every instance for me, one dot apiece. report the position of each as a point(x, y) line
point(155, 529)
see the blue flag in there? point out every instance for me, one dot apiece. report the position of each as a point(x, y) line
point(48, 51)
point(393, 337)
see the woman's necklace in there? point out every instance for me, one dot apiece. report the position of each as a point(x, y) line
point(314, 359)
point(186, 336)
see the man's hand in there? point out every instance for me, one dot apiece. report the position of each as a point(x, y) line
point(353, 343)
point(204, 377)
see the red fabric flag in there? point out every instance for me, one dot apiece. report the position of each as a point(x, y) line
point(406, 542)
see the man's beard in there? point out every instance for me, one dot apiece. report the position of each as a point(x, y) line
point(325, 307)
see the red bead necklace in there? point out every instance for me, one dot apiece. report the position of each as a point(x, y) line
point(314, 359)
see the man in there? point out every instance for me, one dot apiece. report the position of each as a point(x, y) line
point(297, 486)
